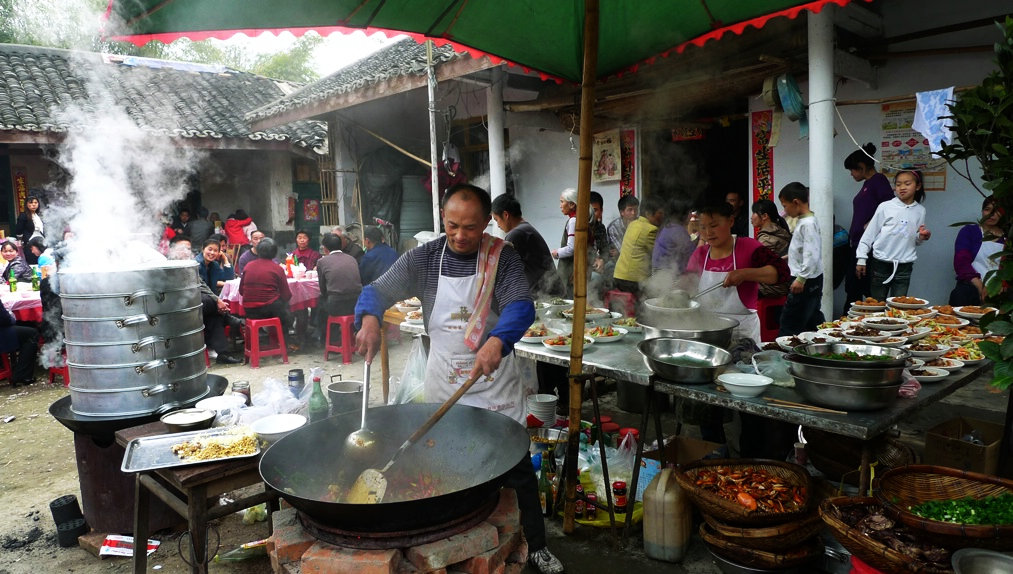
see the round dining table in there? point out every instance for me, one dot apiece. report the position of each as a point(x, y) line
point(305, 292)
point(24, 304)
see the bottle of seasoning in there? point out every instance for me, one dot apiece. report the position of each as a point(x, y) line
point(243, 388)
point(619, 496)
point(590, 510)
point(578, 506)
point(296, 381)
point(318, 406)
point(545, 488)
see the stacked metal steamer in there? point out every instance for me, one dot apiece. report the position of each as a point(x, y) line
point(851, 385)
point(134, 339)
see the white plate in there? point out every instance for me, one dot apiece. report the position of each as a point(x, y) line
point(951, 364)
point(867, 308)
point(929, 354)
point(917, 333)
point(871, 323)
point(588, 341)
point(637, 328)
point(413, 321)
point(407, 309)
point(622, 333)
point(961, 313)
point(924, 303)
point(929, 315)
point(937, 375)
point(971, 362)
point(535, 340)
point(783, 340)
point(869, 338)
point(913, 363)
point(960, 322)
point(893, 341)
point(589, 313)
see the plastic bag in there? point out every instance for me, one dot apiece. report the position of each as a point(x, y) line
point(772, 364)
point(276, 398)
point(411, 388)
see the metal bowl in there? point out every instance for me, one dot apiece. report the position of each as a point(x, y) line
point(978, 561)
point(896, 356)
point(188, 419)
point(683, 360)
point(656, 305)
point(807, 368)
point(722, 337)
point(846, 397)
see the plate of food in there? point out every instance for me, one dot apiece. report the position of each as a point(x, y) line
point(885, 323)
point(561, 343)
point(927, 350)
point(535, 334)
point(948, 321)
point(917, 333)
point(971, 332)
point(943, 309)
point(606, 333)
point(409, 305)
point(913, 363)
point(893, 341)
point(968, 354)
point(928, 374)
point(972, 311)
point(917, 314)
point(413, 317)
point(944, 363)
point(906, 302)
point(869, 304)
point(863, 333)
point(629, 323)
point(589, 313)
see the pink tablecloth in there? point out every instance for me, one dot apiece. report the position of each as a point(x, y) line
point(305, 293)
point(24, 304)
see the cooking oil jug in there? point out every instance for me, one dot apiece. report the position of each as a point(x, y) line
point(668, 518)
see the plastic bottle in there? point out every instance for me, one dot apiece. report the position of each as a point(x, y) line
point(244, 552)
point(288, 265)
point(12, 280)
point(668, 518)
point(318, 407)
point(35, 280)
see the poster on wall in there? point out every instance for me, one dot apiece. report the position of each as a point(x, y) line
point(763, 156)
point(311, 210)
point(903, 147)
point(628, 176)
point(605, 157)
point(20, 189)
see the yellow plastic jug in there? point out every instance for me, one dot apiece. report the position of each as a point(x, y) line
point(668, 518)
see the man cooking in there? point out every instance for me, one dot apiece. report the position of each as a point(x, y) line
point(476, 304)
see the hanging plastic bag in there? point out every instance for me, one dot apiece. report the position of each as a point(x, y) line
point(772, 364)
point(413, 380)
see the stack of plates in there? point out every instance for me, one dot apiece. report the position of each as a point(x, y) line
point(543, 408)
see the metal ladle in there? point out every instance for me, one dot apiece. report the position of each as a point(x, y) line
point(362, 441)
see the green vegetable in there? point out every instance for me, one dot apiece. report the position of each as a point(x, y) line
point(997, 510)
point(851, 356)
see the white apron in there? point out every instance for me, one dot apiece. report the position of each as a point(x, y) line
point(983, 261)
point(725, 301)
point(450, 359)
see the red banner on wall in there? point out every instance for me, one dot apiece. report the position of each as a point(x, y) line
point(628, 162)
point(763, 156)
point(20, 178)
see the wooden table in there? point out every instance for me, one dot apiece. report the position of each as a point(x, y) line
point(393, 317)
point(186, 490)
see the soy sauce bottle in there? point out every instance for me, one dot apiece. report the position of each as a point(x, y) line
point(318, 406)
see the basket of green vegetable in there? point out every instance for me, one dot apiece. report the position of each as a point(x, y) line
point(953, 508)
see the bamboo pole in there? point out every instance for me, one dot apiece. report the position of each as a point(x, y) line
point(580, 253)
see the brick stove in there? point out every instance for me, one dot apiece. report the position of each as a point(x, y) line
point(477, 544)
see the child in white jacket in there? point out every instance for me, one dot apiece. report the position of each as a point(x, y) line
point(887, 248)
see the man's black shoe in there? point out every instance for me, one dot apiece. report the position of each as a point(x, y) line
point(227, 360)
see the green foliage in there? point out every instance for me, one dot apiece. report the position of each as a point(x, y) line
point(983, 127)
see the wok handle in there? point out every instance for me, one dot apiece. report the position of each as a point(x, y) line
point(433, 419)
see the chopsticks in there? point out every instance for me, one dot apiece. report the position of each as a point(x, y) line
point(800, 406)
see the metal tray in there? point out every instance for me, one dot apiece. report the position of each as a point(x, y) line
point(151, 452)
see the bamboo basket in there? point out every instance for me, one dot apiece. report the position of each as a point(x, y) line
point(800, 555)
point(778, 537)
point(871, 551)
point(732, 513)
point(901, 488)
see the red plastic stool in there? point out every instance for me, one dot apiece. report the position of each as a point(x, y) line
point(627, 299)
point(769, 311)
point(346, 348)
point(207, 357)
point(6, 371)
point(62, 372)
point(251, 346)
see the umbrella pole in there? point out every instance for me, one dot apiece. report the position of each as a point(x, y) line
point(434, 166)
point(580, 254)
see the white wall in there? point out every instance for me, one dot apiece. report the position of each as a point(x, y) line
point(259, 182)
point(933, 275)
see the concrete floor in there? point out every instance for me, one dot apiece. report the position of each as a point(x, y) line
point(591, 549)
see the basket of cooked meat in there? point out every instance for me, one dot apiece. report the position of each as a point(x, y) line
point(860, 525)
point(950, 507)
point(747, 492)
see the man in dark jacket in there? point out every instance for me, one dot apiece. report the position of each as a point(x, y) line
point(378, 257)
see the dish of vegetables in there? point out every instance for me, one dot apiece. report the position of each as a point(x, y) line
point(996, 510)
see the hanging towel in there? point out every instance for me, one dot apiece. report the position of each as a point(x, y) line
point(928, 117)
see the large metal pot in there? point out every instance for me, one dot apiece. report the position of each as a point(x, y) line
point(684, 361)
point(720, 336)
point(859, 377)
point(134, 339)
point(888, 357)
point(846, 397)
point(468, 453)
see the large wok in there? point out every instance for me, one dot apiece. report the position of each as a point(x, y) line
point(468, 453)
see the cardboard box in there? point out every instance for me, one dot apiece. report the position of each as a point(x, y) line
point(944, 447)
point(683, 449)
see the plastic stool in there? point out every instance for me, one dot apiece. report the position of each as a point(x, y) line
point(769, 311)
point(251, 347)
point(628, 300)
point(6, 371)
point(62, 372)
point(346, 348)
point(207, 357)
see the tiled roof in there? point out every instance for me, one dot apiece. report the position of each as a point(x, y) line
point(175, 99)
point(404, 58)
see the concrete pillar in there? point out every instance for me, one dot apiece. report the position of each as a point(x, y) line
point(821, 139)
point(497, 155)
